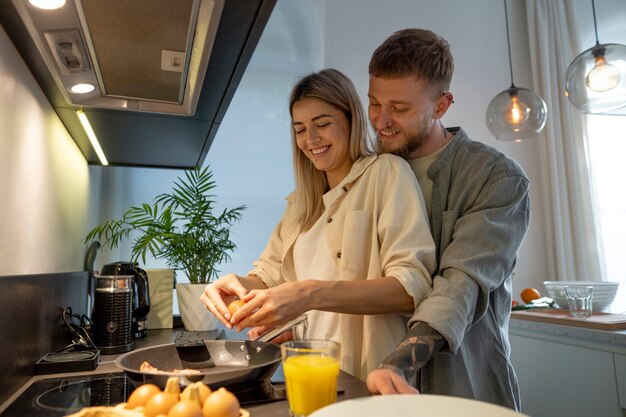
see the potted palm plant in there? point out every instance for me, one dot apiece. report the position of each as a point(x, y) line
point(181, 228)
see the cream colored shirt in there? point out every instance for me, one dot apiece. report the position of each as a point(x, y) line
point(420, 168)
point(375, 225)
point(313, 260)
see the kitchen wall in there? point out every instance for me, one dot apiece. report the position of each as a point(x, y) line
point(44, 180)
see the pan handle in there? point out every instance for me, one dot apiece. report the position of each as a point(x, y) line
point(275, 331)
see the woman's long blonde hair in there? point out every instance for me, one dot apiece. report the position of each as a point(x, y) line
point(333, 87)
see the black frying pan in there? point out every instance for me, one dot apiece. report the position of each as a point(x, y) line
point(236, 361)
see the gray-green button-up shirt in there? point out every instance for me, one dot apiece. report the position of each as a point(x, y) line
point(480, 215)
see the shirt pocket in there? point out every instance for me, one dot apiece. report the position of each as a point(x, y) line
point(356, 245)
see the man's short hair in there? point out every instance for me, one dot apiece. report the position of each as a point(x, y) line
point(414, 51)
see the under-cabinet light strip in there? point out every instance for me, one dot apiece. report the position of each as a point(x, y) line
point(92, 136)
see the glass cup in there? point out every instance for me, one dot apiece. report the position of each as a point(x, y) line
point(579, 298)
point(311, 369)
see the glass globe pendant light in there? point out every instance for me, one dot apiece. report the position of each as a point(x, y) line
point(595, 81)
point(516, 113)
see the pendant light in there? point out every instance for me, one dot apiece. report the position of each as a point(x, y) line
point(516, 113)
point(595, 81)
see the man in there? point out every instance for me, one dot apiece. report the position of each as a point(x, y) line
point(479, 211)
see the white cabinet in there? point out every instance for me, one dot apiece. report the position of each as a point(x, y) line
point(559, 377)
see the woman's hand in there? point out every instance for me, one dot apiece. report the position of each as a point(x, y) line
point(273, 306)
point(217, 295)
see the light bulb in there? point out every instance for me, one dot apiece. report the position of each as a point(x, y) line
point(48, 4)
point(603, 76)
point(517, 112)
point(82, 88)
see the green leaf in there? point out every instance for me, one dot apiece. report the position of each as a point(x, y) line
point(179, 227)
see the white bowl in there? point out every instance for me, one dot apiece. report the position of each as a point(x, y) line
point(603, 292)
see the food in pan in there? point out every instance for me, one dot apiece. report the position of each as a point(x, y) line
point(196, 400)
point(146, 367)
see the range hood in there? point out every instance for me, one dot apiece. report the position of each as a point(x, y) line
point(163, 71)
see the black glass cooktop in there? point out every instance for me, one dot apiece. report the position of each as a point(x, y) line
point(57, 397)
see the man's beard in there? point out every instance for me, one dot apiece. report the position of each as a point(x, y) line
point(413, 142)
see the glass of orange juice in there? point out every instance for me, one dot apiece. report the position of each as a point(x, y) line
point(311, 369)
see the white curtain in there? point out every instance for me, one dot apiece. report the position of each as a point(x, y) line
point(573, 252)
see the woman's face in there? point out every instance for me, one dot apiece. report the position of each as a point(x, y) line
point(323, 134)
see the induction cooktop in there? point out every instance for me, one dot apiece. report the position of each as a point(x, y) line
point(60, 396)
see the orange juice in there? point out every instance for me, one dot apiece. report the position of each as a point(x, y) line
point(311, 382)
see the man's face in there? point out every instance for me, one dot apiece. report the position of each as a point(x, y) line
point(401, 112)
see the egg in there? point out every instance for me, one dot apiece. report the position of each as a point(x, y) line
point(197, 391)
point(140, 396)
point(185, 408)
point(160, 403)
point(221, 403)
point(235, 305)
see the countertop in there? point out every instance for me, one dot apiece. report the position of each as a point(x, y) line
point(607, 340)
point(352, 387)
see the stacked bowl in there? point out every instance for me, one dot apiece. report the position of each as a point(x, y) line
point(603, 292)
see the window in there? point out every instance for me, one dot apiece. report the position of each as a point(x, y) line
point(607, 155)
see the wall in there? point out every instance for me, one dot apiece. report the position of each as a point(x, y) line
point(44, 181)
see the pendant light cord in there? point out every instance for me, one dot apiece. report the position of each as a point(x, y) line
point(508, 41)
point(595, 25)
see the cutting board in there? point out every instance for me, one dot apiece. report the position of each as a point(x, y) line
point(597, 321)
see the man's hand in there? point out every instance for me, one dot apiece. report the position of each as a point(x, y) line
point(385, 381)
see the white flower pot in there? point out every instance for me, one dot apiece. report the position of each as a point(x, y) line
point(194, 314)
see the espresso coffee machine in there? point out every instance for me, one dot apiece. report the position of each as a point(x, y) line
point(140, 305)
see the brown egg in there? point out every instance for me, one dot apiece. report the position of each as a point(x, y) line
point(235, 305)
point(221, 403)
point(185, 408)
point(160, 403)
point(197, 391)
point(140, 396)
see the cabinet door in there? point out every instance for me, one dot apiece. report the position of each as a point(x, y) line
point(620, 375)
point(562, 380)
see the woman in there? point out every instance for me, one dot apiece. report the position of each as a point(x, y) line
point(353, 248)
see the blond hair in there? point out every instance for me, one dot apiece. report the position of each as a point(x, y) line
point(333, 87)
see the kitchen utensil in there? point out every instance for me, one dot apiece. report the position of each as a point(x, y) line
point(140, 294)
point(237, 362)
point(194, 354)
point(112, 314)
point(90, 259)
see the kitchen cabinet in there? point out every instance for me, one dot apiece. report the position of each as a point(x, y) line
point(563, 371)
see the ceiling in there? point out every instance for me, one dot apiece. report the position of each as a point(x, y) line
point(167, 118)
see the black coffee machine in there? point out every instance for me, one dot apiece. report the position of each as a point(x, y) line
point(140, 293)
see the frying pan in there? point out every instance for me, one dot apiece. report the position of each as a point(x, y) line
point(236, 361)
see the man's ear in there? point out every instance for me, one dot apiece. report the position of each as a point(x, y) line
point(445, 100)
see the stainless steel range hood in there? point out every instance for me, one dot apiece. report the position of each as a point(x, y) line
point(164, 71)
point(143, 55)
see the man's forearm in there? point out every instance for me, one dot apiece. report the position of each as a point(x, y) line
point(418, 347)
